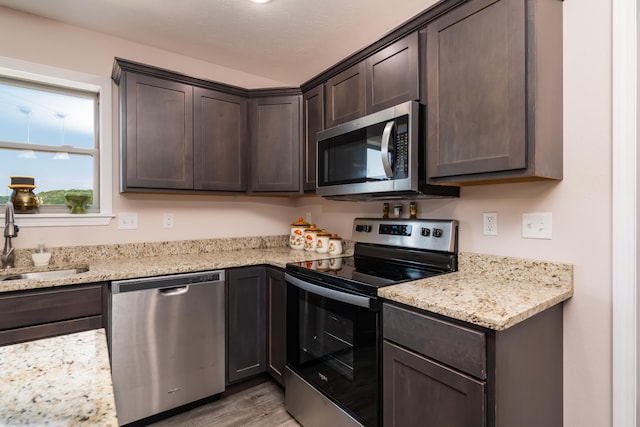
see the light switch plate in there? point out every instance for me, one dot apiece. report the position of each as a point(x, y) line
point(127, 220)
point(167, 220)
point(537, 225)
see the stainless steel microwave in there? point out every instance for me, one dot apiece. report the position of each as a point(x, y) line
point(379, 156)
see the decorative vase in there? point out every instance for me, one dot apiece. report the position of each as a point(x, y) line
point(22, 197)
point(77, 201)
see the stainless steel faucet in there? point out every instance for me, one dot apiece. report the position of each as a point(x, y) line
point(8, 258)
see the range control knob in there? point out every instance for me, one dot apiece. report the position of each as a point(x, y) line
point(363, 228)
point(425, 232)
point(437, 232)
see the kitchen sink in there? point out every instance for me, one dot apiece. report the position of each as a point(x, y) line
point(44, 275)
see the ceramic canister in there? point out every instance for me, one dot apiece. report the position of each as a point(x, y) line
point(335, 263)
point(323, 264)
point(296, 238)
point(310, 238)
point(335, 245)
point(322, 243)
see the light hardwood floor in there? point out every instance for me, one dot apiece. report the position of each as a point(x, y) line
point(259, 406)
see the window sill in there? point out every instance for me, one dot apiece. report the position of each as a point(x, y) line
point(62, 220)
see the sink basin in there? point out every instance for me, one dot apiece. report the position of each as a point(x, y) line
point(44, 275)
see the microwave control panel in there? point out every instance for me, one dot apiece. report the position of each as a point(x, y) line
point(402, 149)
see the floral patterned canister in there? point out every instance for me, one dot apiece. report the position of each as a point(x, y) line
point(335, 245)
point(296, 238)
point(322, 242)
point(311, 238)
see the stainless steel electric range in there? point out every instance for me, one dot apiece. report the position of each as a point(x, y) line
point(333, 374)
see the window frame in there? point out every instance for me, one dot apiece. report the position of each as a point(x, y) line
point(48, 75)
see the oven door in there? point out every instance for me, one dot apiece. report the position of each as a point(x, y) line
point(332, 344)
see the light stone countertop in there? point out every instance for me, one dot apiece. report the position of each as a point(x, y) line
point(489, 291)
point(147, 266)
point(61, 381)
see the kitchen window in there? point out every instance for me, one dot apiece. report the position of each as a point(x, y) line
point(55, 125)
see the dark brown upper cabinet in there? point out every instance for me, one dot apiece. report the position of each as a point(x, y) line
point(392, 75)
point(386, 78)
point(186, 135)
point(220, 137)
point(494, 92)
point(157, 133)
point(276, 144)
point(313, 113)
point(345, 96)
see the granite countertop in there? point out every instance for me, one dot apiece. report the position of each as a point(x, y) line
point(147, 266)
point(490, 291)
point(61, 381)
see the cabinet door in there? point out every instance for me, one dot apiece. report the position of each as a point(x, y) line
point(158, 141)
point(345, 96)
point(36, 314)
point(313, 106)
point(246, 323)
point(476, 91)
point(276, 324)
point(392, 75)
point(419, 391)
point(275, 144)
point(220, 141)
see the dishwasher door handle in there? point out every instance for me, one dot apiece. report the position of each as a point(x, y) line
point(172, 292)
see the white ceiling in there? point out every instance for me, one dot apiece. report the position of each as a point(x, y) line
point(289, 41)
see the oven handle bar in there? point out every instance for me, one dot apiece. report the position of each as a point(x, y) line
point(347, 298)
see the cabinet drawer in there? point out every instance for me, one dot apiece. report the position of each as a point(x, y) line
point(456, 346)
point(48, 330)
point(47, 306)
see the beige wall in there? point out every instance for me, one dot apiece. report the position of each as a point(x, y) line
point(581, 203)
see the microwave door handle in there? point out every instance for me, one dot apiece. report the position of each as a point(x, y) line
point(384, 148)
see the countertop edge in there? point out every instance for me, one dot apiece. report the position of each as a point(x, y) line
point(469, 295)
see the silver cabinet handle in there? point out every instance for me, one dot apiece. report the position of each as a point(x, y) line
point(384, 148)
point(347, 298)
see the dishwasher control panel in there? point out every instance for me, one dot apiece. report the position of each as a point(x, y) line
point(167, 281)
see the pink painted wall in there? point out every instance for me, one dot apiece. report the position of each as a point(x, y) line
point(581, 203)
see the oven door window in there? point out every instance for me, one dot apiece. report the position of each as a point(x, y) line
point(332, 345)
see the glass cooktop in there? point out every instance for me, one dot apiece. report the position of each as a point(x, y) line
point(364, 275)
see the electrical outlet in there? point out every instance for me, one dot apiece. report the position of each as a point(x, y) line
point(536, 225)
point(127, 220)
point(167, 220)
point(307, 217)
point(490, 224)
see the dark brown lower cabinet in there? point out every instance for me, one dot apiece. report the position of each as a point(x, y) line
point(276, 323)
point(454, 400)
point(442, 372)
point(246, 323)
point(44, 313)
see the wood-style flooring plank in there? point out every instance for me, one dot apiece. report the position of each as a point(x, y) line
point(259, 406)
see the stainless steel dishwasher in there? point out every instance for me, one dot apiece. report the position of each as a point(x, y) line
point(167, 342)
